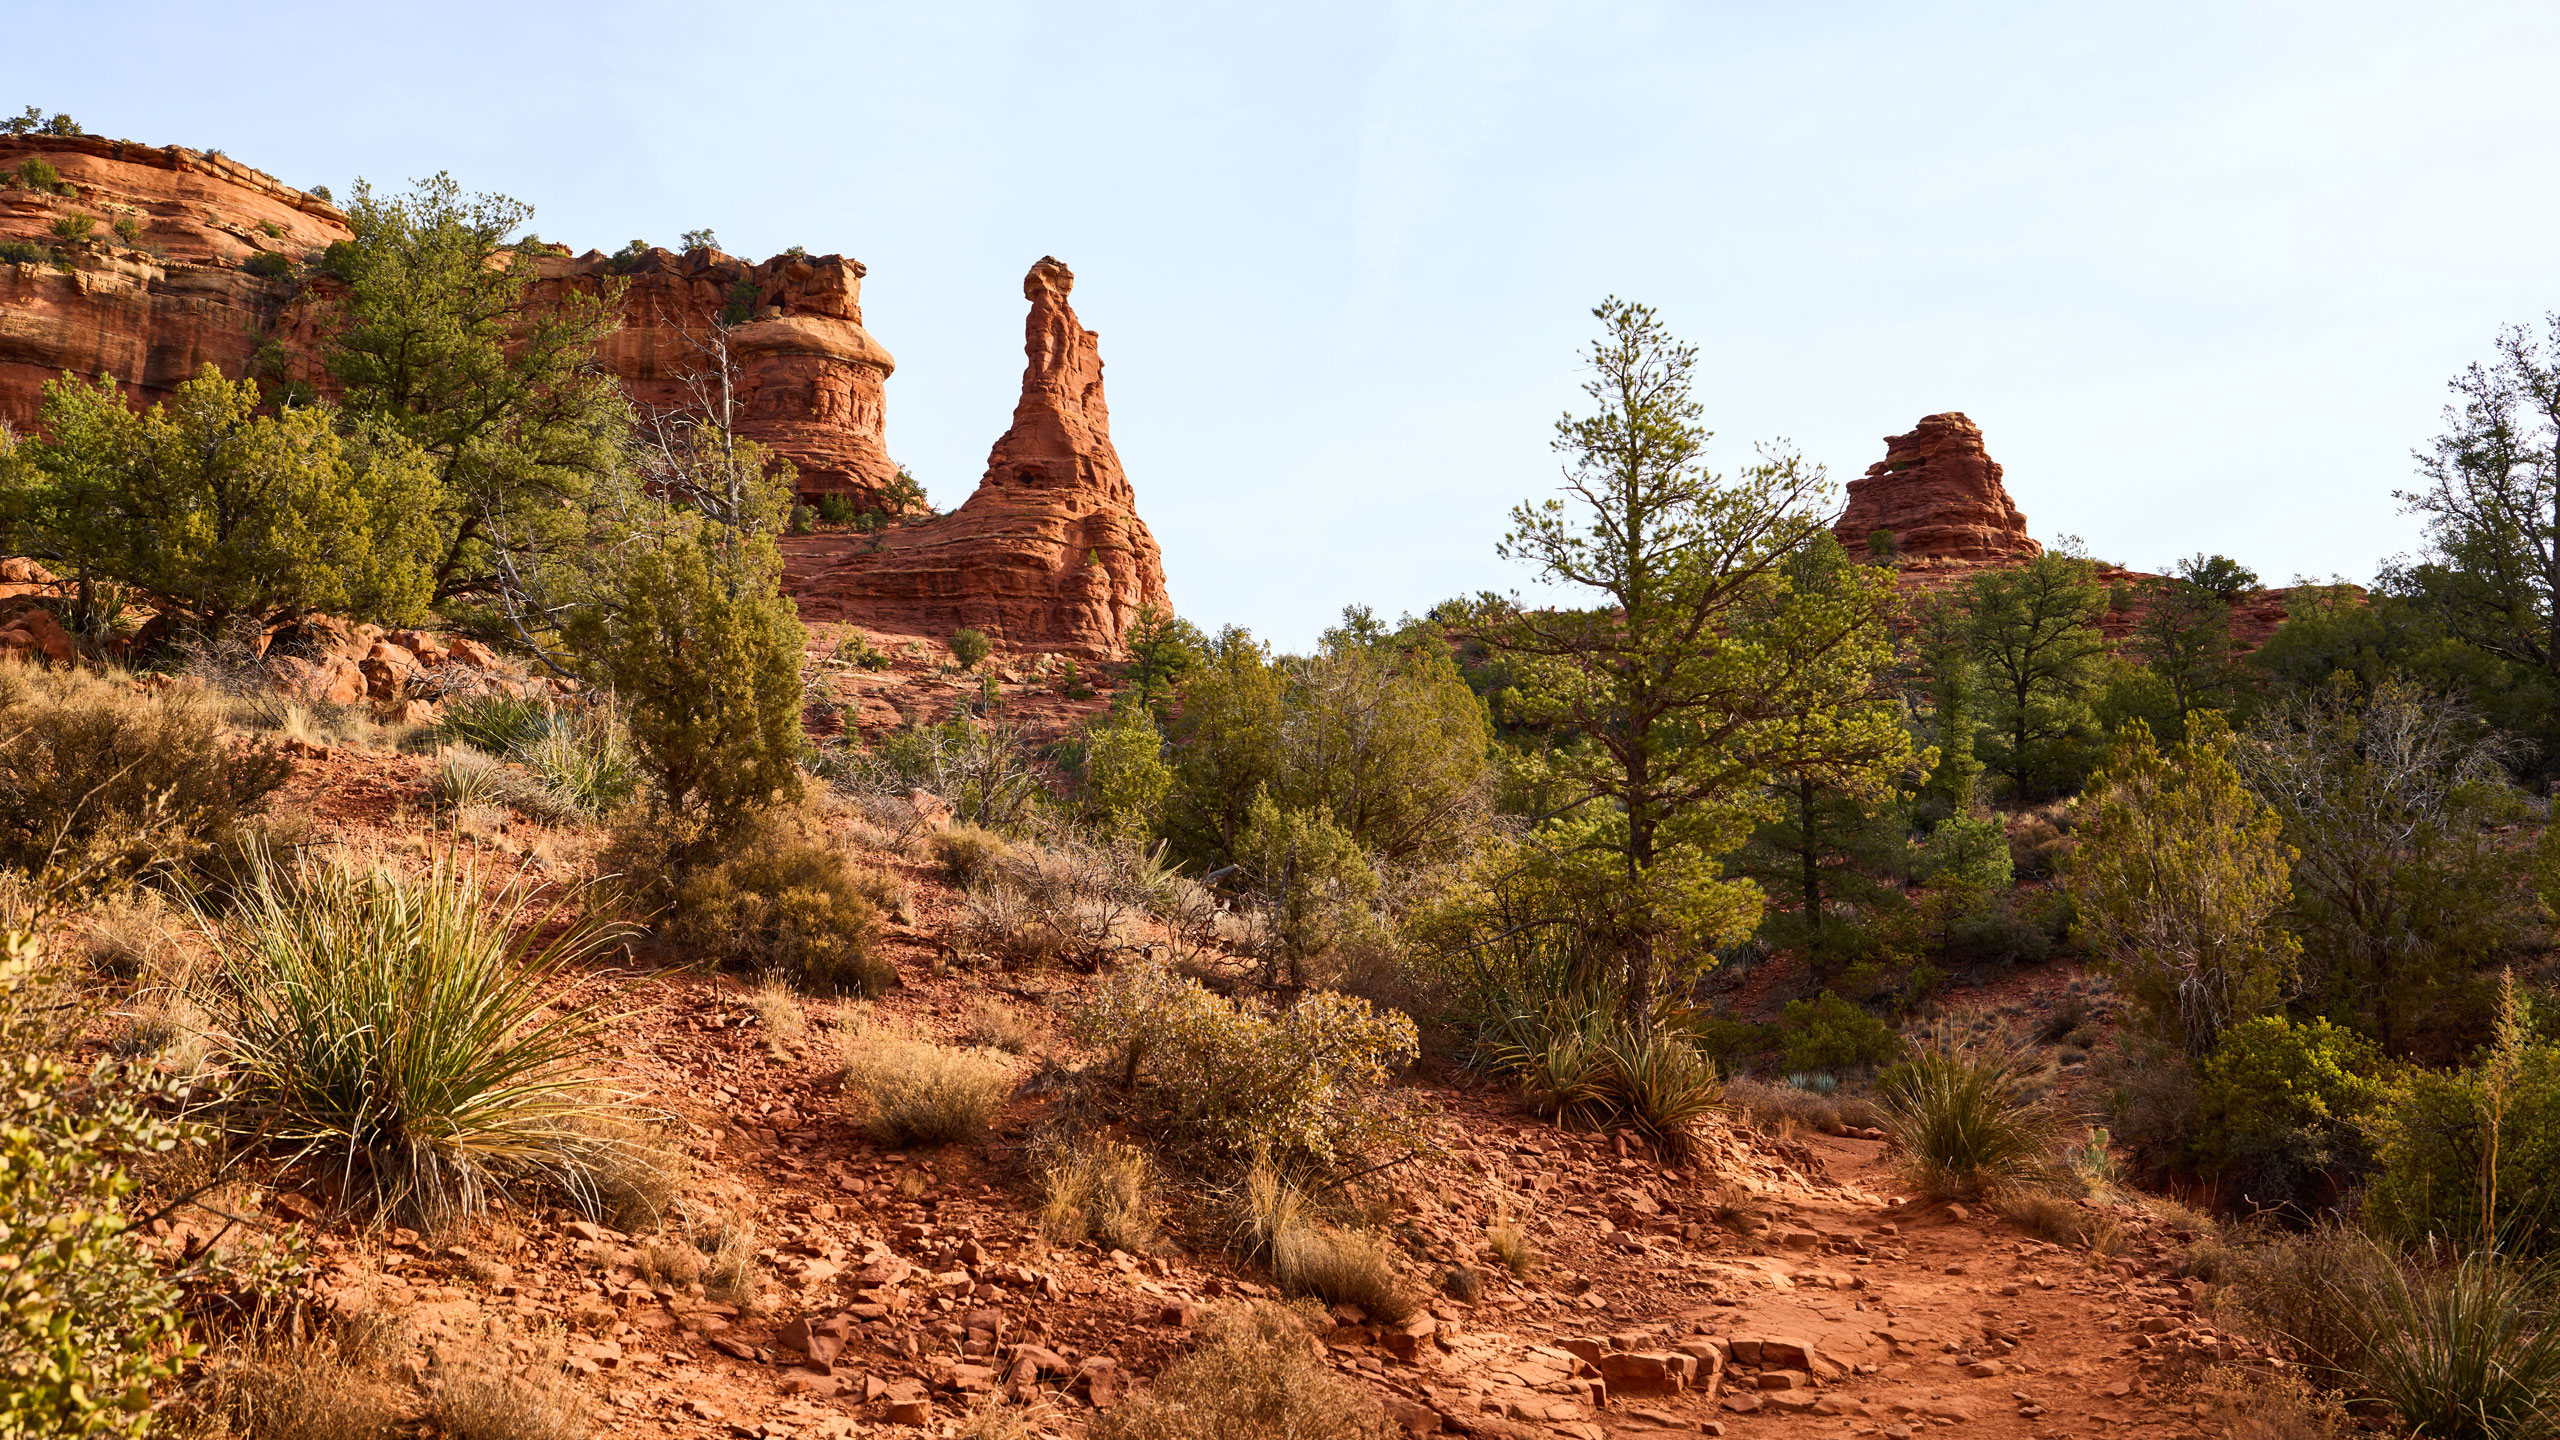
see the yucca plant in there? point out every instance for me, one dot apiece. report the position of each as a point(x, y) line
point(497, 723)
point(412, 1033)
point(585, 763)
point(1965, 1114)
point(1557, 1054)
point(1663, 1085)
point(2465, 1351)
point(465, 779)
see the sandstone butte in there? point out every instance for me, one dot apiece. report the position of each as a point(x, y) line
point(1939, 492)
point(1048, 553)
point(151, 313)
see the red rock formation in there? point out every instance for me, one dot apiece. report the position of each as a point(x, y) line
point(812, 381)
point(1049, 552)
point(1939, 492)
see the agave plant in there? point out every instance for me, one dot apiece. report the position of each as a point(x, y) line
point(412, 1033)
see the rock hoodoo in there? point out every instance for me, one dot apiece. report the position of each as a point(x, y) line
point(1939, 492)
point(169, 277)
point(1049, 552)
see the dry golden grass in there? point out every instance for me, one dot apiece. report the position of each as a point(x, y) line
point(487, 1396)
point(911, 1092)
point(1099, 1190)
point(777, 1009)
point(1252, 1374)
point(998, 1026)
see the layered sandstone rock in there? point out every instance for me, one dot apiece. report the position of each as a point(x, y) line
point(1939, 492)
point(1049, 552)
point(152, 311)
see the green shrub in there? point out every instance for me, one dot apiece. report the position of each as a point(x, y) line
point(20, 252)
point(1829, 1033)
point(1576, 1061)
point(2432, 1136)
point(802, 520)
point(1967, 855)
point(74, 228)
point(856, 649)
point(36, 173)
point(409, 1033)
point(782, 900)
point(1965, 1115)
point(585, 764)
point(1125, 777)
point(500, 723)
point(1311, 883)
point(267, 265)
point(836, 509)
point(87, 1322)
point(969, 646)
point(2282, 1111)
point(1253, 1372)
point(99, 784)
point(128, 229)
point(908, 1092)
point(1663, 1087)
point(1230, 1079)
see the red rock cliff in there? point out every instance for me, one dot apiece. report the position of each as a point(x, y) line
point(152, 310)
point(1939, 492)
point(1049, 552)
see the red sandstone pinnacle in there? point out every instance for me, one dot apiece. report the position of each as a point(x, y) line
point(1049, 552)
point(1939, 492)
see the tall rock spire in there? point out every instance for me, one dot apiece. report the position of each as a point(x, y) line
point(1049, 552)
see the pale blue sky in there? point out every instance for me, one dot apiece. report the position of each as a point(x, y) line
point(2199, 270)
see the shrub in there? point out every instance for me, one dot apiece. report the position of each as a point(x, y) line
point(411, 1033)
point(584, 763)
point(267, 265)
point(74, 228)
point(87, 1323)
point(969, 647)
point(1311, 883)
point(36, 173)
point(1065, 901)
point(1099, 1190)
point(1965, 1116)
point(994, 1025)
point(100, 785)
point(909, 1092)
point(856, 649)
point(1577, 1062)
point(782, 900)
point(2468, 1350)
point(1663, 1085)
point(2283, 1110)
point(1829, 1033)
point(836, 509)
point(20, 252)
point(2432, 1144)
point(968, 854)
point(1253, 1372)
point(1232, 1078)
point(2312, 1289)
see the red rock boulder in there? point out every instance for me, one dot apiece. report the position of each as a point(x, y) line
point(1939, 492)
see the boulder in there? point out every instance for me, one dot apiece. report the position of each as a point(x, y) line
point(333, 681)
point(33, 634)
point(388, 669)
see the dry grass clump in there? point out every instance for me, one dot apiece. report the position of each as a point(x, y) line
point(2300, 1287)
point(2255, 1405)
point(1277, 1224)
point(488, 1396)
point(968, 854)
point(132, 935)
point(1505, 1237)
point(912, 1092)
point(995, 1025)
point(2057, 1218)
point(1780, 1111)
point(778, 1009)
point(995, 1418)
point(333, 1385)
point(1254, 1372)
point(1101, 1191)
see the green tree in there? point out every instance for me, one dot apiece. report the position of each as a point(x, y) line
point(2184, 637)
point(1389, 741)
point(2226, 579)
point(1226, 745)
point(441, 334)
point(1162, 649)
point(1311, 882)
point(219, 511)
point(2492, 505)
point(2033, 630)
point(1126, 779)
point(2180, 877)
point(696, 639)
point(1696, 675)
point(1949, 707)
point(2395, 798)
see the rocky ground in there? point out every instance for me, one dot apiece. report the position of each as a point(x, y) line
point(1770, 1284)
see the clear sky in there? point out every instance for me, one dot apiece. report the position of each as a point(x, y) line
point(2200, 271)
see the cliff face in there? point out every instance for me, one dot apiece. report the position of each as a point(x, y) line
point(1049, 552)
point(154, 309)
point(151, 310)
point(1938, 490)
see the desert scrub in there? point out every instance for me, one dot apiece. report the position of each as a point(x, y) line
point(578, 764)
point(100, 784)
point(1254, 1373)
point(994, 1025)
point(1966, 1114)
point(1228, 1079)
point(1576, 1062)
point(411, 1033)
point(87, 1322)
point(782, 900)
point(1099, 1190)
point(912, 1092)
point(968, 854)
